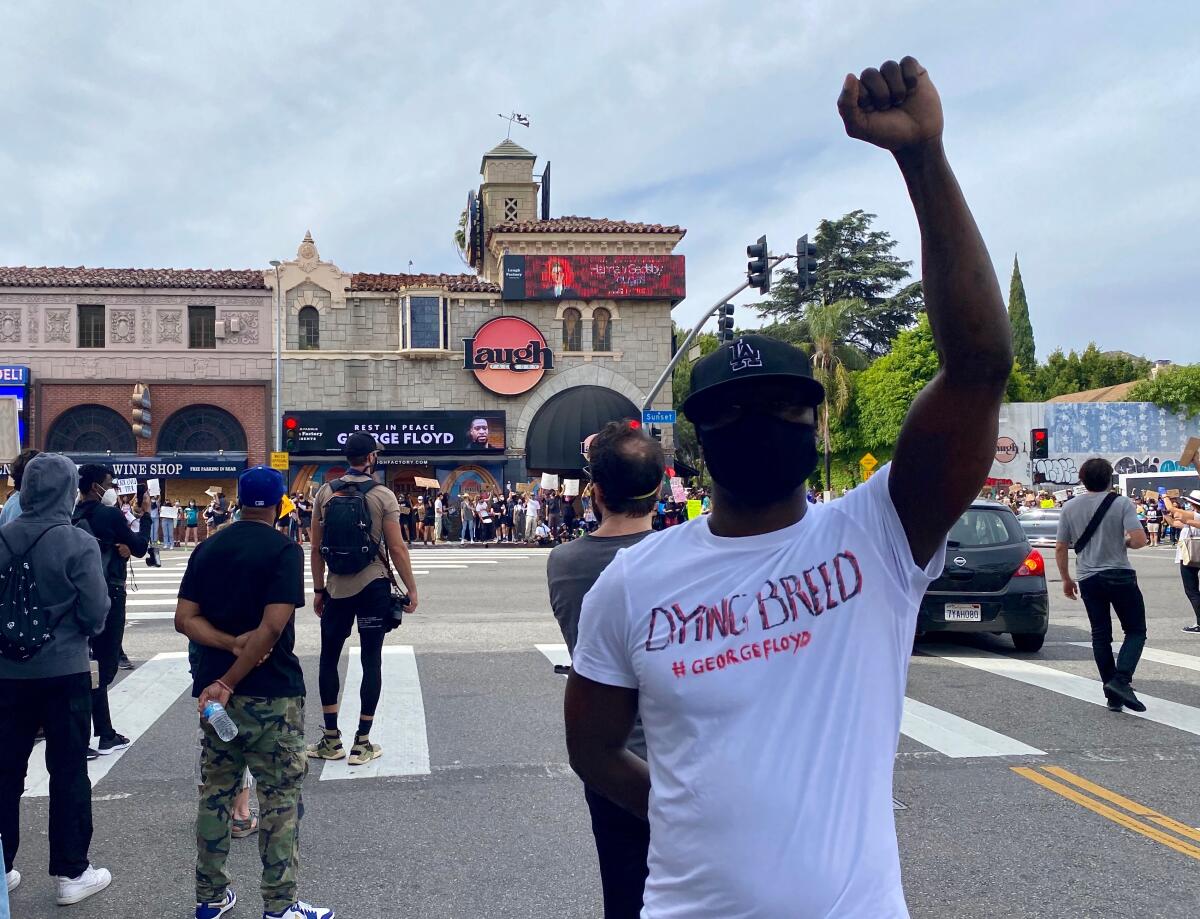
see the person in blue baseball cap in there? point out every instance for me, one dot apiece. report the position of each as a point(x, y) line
point(246, 663)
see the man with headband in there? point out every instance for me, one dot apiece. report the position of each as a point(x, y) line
point(626, 471)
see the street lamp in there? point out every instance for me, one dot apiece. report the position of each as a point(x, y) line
point(275, 263)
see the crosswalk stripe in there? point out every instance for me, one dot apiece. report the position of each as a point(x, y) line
point(1161, 711)
point(941, 731)
point(957, 737)
point(556, 654)
point(399, 726)
point(1170, 658)
point(136, 703)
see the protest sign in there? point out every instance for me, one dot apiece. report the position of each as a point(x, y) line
point(693, 508)
point(549, 481)
point(153, 488)
point(570, 487)
point(125, 486)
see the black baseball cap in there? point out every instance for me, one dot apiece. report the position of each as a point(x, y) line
point(748, 360)
point(360, 444)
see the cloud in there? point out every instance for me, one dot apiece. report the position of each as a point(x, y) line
point(158, 135)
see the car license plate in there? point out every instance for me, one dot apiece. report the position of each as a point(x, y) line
point(964, 612)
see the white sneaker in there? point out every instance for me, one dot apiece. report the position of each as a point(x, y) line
point(75, 890)
point(301, 910)
point(14, 879)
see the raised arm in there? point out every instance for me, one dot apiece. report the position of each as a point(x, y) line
point(948, 440)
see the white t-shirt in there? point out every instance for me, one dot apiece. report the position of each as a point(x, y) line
point(771, 673)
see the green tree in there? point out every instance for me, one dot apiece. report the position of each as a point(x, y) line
point(460, 236)
point(884, 392)
point(1094, 369)
point(1177, 389)
point(832, 361)
point(687, 445)
point(854, 262)
point(1018, 317)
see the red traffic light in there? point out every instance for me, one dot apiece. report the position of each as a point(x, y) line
point(1039, 435)
point(291, 423)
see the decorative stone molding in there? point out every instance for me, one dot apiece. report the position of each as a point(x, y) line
point(58, 325)
point(123, 327)
point(587, 307)
point(309, 294)
point(249, 323)
point(170, 326)
point(33, 324)
point(308, 266)
point(10, 325)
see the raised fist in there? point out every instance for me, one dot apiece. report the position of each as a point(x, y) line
point(894, 107)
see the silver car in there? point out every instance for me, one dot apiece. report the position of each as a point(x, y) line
point(1041, 526)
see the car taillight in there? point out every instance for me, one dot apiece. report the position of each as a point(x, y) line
point(1033, 566)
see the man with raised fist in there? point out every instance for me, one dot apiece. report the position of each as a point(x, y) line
point(766, 645)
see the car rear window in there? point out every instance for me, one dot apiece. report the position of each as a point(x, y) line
point(980, 527)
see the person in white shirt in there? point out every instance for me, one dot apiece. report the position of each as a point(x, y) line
point(533, 508)
point(766, 645)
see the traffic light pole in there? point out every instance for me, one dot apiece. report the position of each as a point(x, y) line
point(683, 348)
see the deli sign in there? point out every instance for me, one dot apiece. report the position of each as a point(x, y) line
point(508, 355)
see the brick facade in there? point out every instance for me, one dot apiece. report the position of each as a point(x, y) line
point(248, 402)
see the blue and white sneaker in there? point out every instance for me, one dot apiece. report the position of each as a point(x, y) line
point(219, 908)
point(301, 910)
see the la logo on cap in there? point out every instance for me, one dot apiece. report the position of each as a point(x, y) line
point(743, 355)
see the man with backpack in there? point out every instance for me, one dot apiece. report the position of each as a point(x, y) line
point(47, 613)
point(97, 514)
point(1102, 527)
point(356, 527)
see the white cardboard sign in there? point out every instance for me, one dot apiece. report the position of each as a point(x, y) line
point(549, 481)
point(570, 487)
point(153, 488)
point(125, 486)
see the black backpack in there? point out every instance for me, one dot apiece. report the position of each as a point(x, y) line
point(346, 542)
point(24, 627)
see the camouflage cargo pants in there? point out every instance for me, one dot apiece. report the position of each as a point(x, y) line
point(270, 742)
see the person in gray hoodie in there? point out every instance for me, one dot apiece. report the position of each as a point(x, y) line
point(52, 690)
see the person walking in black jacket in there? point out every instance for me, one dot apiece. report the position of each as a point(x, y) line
point(97, 514)
point(51, 689)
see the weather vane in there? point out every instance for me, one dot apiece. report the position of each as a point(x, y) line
point(522, 120)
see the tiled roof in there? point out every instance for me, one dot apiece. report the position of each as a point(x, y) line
point(456, 283)
point(584, 225)
point(1118, 393)
point(510, 148)
point(226, 279)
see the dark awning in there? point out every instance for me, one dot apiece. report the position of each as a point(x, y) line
point(685, 471)
point(553, 442)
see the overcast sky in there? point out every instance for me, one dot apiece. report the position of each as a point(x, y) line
point(156, 134)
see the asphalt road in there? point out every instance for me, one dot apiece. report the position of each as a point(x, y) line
point(489, 821)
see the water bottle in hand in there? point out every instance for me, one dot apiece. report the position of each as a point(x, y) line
point(215, 714)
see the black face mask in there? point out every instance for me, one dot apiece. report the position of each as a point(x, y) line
point(760, 458)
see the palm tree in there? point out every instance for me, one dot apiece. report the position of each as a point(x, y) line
point(832, 360)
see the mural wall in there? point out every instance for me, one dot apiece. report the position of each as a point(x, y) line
point(1133, 436)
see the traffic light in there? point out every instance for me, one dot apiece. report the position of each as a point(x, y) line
point(140, 401)
point(656, 432)
point(725, 323)
point(757, 269)
point(806, 264)
point(1039, 444)
point(291, 429)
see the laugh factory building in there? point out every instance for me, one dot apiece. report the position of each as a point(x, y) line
point(476, 380)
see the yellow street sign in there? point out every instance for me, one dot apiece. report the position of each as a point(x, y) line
point(279, 461)
point(868, 461)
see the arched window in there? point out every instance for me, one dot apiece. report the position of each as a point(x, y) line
point(601, 330)
point(572, 330)
point(91, 429)
point(201, 429)
point(310, 329)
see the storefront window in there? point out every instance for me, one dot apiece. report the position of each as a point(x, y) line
point(424, 322)
point(572, 330)
point(601, 330)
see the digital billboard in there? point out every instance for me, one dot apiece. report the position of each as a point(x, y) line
point(593, 277)
point(414, 433)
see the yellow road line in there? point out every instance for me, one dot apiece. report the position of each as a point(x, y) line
point(1107, 812)
point(1132, 806)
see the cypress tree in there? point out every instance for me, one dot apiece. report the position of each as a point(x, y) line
point(1018, 318)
